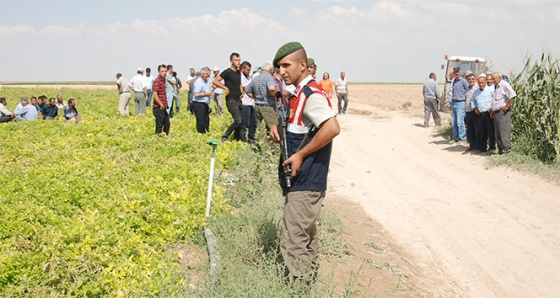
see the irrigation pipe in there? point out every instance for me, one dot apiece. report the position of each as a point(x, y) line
point(210, 237)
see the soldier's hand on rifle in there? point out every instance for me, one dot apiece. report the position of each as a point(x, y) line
point(295, 161)
point(274, 135)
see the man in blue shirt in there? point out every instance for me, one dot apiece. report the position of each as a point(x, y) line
point(201, 101)
point(481, 103)
point(458, 97)
point(25, 112)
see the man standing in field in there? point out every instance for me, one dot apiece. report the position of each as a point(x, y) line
point(312, 119)
point(458, 97)
point(124, 94)
point(149, 79)
point(482, 102)
point(160, 102)
point(201, 101)
point(232, 89)
point(190, 81)
point(170, 89)
point(218, 94)
point(248, 105)
point(138, 84)
point(342, 93)
point(471, 118)
point(262, 89)
point(432, 97)
point(501, 112)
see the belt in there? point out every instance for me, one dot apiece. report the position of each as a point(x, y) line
point(126, 92)
point(263, 105)
point(138, 91)
point(458, 100)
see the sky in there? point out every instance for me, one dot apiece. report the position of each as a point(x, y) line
point(372, 41)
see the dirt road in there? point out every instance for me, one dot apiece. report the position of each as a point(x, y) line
point(471, 230)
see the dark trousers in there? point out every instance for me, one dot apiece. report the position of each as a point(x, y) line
point(485, 132)
point(502, 125)
point(162, 121)
point(235, 109)
point(202, 114)
point(471, 124)
point(5, 118)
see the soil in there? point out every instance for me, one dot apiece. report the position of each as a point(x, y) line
point(426, 219)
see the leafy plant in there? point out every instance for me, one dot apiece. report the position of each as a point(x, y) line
point(536, 116)
point(94, 208)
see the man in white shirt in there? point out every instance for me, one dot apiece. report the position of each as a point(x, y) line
point(149, 79)
point(138, 84)
point(342, 93)
point(218, 94)
point(124, 95)
point(248, 103)
point(5, 114)
point(500, 111)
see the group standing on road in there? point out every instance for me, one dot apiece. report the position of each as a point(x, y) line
point(480, 110)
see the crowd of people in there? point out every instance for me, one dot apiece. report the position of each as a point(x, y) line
point(248, 95)
point(480, 109)
point(35, 108)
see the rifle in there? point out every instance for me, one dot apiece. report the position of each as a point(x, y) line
point(282, 131)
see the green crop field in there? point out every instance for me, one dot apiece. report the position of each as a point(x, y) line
point(98, 208)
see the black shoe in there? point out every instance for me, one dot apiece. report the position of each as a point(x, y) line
point(470, 149)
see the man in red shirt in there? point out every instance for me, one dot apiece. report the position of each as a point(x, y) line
point(160, 102)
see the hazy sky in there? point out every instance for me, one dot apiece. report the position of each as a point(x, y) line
point(373, 41)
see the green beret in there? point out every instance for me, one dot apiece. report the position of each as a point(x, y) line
point(310, 61)
point(286, 50)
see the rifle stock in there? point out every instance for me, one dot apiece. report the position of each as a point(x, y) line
point(282, 131)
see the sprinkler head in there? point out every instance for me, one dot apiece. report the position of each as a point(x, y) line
point(212, 143)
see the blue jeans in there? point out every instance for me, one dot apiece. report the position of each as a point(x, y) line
point(249, 123)
point(177, 103)
point(458, 120)
point(149, 101)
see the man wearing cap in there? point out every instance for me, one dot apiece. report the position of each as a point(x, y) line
point(460, 87)
point(312, 125)
point(504, 96)
point(257, 73)
point(218, 94)
point(432, 97)
point(312, 67)
point(232, 88)
point(262, 89)
point(124, 94)
point(138, 84)
point(342, 93)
